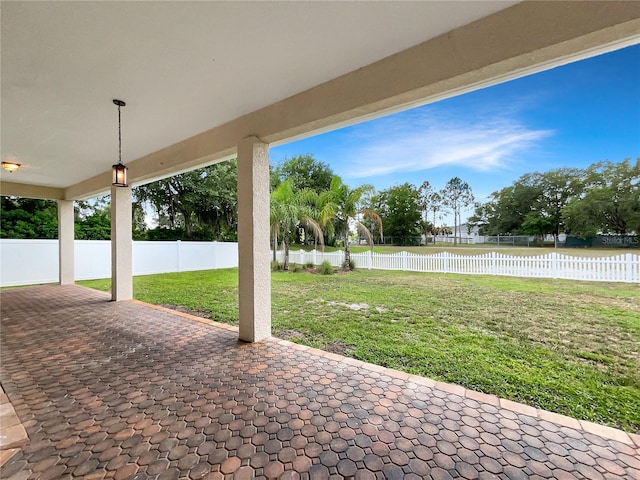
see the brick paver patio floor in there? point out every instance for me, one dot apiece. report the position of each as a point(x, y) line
point(124, 390)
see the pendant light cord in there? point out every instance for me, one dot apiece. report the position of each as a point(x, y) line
point(119, 137)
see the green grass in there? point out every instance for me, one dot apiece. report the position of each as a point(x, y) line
point(565, 346)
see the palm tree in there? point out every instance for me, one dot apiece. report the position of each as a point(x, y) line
point(342, 203)
point(288, 209)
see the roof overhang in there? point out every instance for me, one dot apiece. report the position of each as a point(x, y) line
point(512, 42)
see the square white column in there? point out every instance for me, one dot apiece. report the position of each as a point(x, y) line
point(121, 244)
point(66, 237)
point(253, 240)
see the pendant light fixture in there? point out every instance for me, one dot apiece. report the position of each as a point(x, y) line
point(119, 170)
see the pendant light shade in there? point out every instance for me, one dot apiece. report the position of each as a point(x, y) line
point(119, 175)
point(119, 169)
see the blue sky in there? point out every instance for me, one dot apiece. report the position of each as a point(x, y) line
point(570, 116)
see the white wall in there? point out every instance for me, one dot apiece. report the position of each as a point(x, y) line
point(26, 262)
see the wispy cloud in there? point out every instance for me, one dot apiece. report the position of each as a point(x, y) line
point(417, 141)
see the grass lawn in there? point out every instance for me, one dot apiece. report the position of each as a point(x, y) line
point(565, 346)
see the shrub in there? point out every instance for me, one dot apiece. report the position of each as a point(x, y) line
point(309, 265)
point(294, 267)
point(275, 266)
point(326, 268)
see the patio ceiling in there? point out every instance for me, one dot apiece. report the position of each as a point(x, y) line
point(199, 76)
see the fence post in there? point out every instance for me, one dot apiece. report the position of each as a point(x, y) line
point(369, 259)
point(315, 256)
point(628, 267)
point(445, 255)
point(178, 243)
point(494, 263)
point(302, 252)
point(554, 264)
point(404, 260)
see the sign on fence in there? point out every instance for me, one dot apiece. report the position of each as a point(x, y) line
point(611, 241)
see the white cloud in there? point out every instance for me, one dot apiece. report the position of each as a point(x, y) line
point(417, 141)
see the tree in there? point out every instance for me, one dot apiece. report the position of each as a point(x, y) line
point(28, 218)
point(435, 205)
point(304, 172)
point(288, 209)
point(611, 202)
point(93, 219)
point(505, 211)
point(557, 188)
point(400, 208)
point(203, 202)
point(456, 195)
point(38, 219)
point(533, 205)
point(218, 210)
point(430, 201)
point(342, 203)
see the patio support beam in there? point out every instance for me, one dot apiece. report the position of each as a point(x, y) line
point(66, 237)
point(121, 244)
point(254, 273)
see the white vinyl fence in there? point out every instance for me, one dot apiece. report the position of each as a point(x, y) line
point(25, 262)
point(619, 268)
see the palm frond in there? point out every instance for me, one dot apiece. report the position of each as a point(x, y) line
point(365, 232)
point(368, 213)
point(316, 228)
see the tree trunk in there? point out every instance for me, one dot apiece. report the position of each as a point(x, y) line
point(275, 247)
point(188, 227)
point(285, 243)
point(347, 252)
point(433, 231)
point(455, 227)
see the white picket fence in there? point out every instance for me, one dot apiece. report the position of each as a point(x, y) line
point(24, 262)
point(619, 268)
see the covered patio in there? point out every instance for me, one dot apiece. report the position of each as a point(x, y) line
point(129, 390)
point(119, 389)
point(205, 82)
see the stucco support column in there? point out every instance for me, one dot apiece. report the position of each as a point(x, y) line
point(253, 240)
point(66, 236)
point(121, 244)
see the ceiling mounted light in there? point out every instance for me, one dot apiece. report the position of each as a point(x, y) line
point(119, 170)
point(11, 166)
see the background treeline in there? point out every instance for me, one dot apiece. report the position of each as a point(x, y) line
point(197, 205)
point(603, 198)
point(308, 202)
point(30, 218)
point(402, 213)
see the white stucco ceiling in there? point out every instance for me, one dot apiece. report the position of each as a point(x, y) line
point(182, 68)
